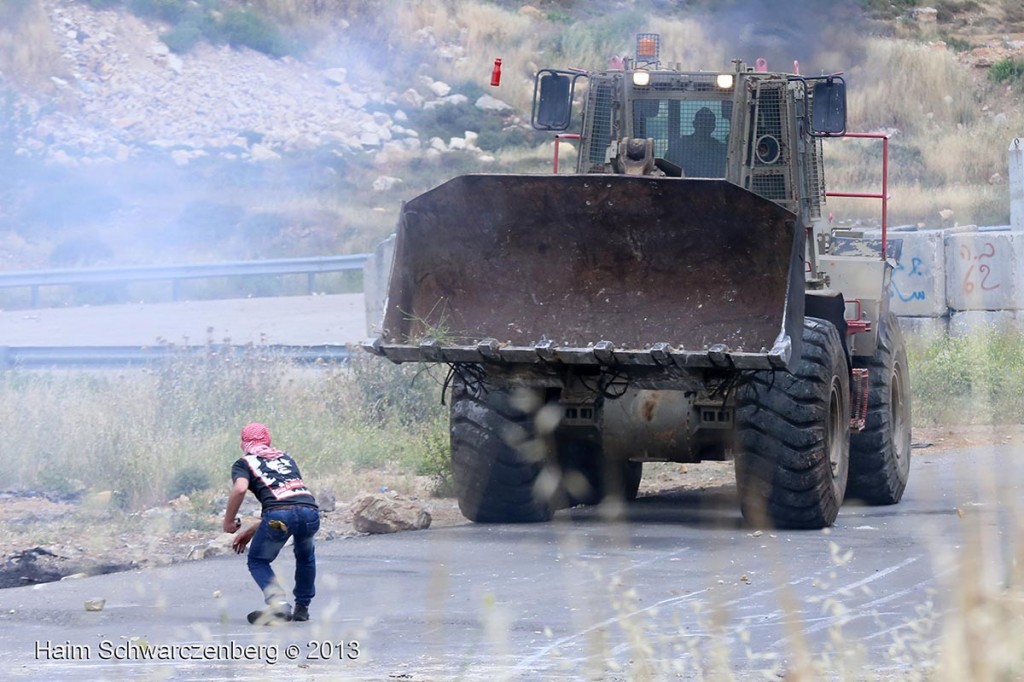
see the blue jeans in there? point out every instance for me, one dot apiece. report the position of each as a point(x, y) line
point(301, 523)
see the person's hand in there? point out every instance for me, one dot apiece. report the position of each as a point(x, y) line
point(241, 541)
point(231, 525)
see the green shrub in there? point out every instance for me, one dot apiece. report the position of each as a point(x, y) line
point(991, 208)
point(969, 379)
point(104, 4)
point(1007, 70)
point(957, 44)
point(263, 226)
point(209, 220)
point(1013, 10)
point(405, 395)
point(559, 16)
point(80, 250)
point(171, 11)
point(436, 459)
point(192, 23)
point(453, 120)
point(948, 9)
point(188, 481)
point(67, 199)
point(245, 28)
point(182, 38)
point(448, 120)
point(888, 8)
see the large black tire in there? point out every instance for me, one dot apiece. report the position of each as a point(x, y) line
point(880, 454)
point(493, 471)
point(792, 436)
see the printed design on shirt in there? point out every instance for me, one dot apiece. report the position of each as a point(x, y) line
point(279, 475)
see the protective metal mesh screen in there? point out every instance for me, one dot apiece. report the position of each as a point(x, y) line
point(693, 134)
point(771, 149)
point(815, 168)
point(599, 128)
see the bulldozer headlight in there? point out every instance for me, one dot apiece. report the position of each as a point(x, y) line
point(724, 80)
point(641, 78)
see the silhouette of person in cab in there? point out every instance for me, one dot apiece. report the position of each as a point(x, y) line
point(699, 154)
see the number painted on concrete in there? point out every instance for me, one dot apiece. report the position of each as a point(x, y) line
point(978, 273)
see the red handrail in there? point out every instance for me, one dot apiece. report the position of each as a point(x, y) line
point(558, 139)
point(884, 195)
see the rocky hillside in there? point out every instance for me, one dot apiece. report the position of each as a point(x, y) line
point(128, 152)
point(121, 90)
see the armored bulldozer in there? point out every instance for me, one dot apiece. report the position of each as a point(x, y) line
point(678, 298)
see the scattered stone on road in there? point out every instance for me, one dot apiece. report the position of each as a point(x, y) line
point(388, 513)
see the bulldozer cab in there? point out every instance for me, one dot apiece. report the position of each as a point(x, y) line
point(758, 130)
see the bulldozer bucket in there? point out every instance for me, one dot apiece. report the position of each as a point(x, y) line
point(598, 269)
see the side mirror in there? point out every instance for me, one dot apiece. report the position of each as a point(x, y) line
point(829, 107)
point(553, 92)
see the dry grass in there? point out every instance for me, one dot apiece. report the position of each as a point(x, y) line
point(28, 51)
point(954, 156)
point(945, 153)
point(980, 635)
point(143, 435)
point(911, 86)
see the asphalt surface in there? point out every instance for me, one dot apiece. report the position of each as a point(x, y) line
point(678, 586)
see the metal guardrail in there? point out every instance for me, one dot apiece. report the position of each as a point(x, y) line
point(43, 357)
point(310, 267)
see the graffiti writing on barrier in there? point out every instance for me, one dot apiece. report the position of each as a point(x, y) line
point(916, 270)
point(978, 271)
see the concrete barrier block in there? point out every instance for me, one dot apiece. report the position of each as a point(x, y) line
point(376, 273)
point(984, 270)
point(970, 322)
point(919, 280)
point(1017, 183)
point(924, 330)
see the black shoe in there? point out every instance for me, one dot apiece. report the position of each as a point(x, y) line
point(271, 615)
point(301, 614)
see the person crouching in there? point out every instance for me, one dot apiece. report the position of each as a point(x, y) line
point(289, 511)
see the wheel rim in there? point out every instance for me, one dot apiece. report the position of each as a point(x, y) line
point(898, 416)
point(834, 441)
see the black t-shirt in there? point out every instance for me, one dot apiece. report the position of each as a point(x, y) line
point(274, 481)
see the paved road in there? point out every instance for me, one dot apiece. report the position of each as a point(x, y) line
point(680, 583)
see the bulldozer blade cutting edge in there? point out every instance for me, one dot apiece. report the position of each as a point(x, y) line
point(594, 269)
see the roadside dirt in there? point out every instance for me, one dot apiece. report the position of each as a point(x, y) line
point(44, 539)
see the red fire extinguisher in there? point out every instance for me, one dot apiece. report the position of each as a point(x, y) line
point(496, 73)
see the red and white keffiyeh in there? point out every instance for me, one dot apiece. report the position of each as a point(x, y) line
point(256, 441)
